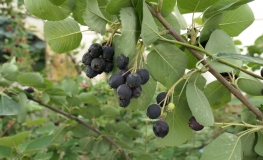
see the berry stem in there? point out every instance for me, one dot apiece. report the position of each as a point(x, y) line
point(224, 125)
point(112, 34)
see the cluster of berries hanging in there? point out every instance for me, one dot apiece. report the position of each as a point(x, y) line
point(98, 59)
point(127, 84)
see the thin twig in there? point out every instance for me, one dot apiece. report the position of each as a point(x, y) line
point(220, 78)
point(84, 124)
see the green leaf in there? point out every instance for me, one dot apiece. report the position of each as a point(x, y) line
point(161, 63)
point(90, 112)
point(217, 94)
point(45, 98)
point(45, 10)
point(114, 6)
point(180, 18)
point(199, 105)
point(73, 101)
point(191, 6)
point(145, 98)
point(171, 19)
point(179, 131)
point(70, 87)
point(149, 31)
point(5, 151)
point(130, 30)
point(244, 58)
point(94, 18)
point(35, 122)
point(62, 36)
point(259, 144)
point(89, 98)
point(236, 21)
point(40, 143)
point(248, 143)
point(223, 5)
point(57, 2)
point(250, 85)
point(210, 25)
point(8, 70)
point(8, 106)
point(110, 112)
point(56, 92)
point(104, 147)
point(248, 117)
point(227, 146)
point(14, 141)
point(22, 98)
point(78, 10)
point(86, 144)
point(31, 79)
point(191, 60)
point(220, 42)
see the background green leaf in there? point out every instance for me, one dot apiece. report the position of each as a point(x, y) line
point(22, 99)
point(162, 66)
point(114, 6)
point(62, 36)
point(217, 94)
point(245, 58)
point(8, 106)
point(199, 105)
point(14, 141)
point(259, 144)
point(190, 6)
point(89, 98)
point(226, 146)
point(43, 8)
point(94, 18)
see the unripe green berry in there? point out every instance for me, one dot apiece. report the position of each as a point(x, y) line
point(164, 115)
point(170, 107)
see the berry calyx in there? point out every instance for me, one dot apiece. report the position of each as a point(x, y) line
point(153, 111)
point(194, 124)
point(160, 128)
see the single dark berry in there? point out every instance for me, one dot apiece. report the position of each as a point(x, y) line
point(262, 91)
point(194, 124)
point(125, 73)
point(145, 76)
point(98, 64)
point(108, 53)
point(228, 76)
point(161, 98)
point(56, 123)
point(261, 72)
point(29, 90)
point(136, 92)
point(124, 92)
point(86, 59)
point(153, 111)
point(124, 102)
point(122, 61)
point(160, 129)
point(90, 72)
point(117, 120)
point(116, 80)
point(134, 80)
point(95, 50)
point(108, 67)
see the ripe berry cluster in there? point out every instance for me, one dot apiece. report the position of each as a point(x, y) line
point(98, 59)
point(127, 84)
point(160, 128)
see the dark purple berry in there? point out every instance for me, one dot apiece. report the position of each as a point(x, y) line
point(161, 98)
point(29, 90)
point(122, 61)
point(108, 53)
point(153, 111)
point(56, 123)
point(95, 50)
point(145, 76)
point(86, 59)
point(124, 92)
point(98, 64)
point(108, 67)
point(194, 124)
point(136, 92)
point(160, 128)
point(133, 80)
point(90, 72)
point(124, 102)
point(261, 72)
point(116, 80)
